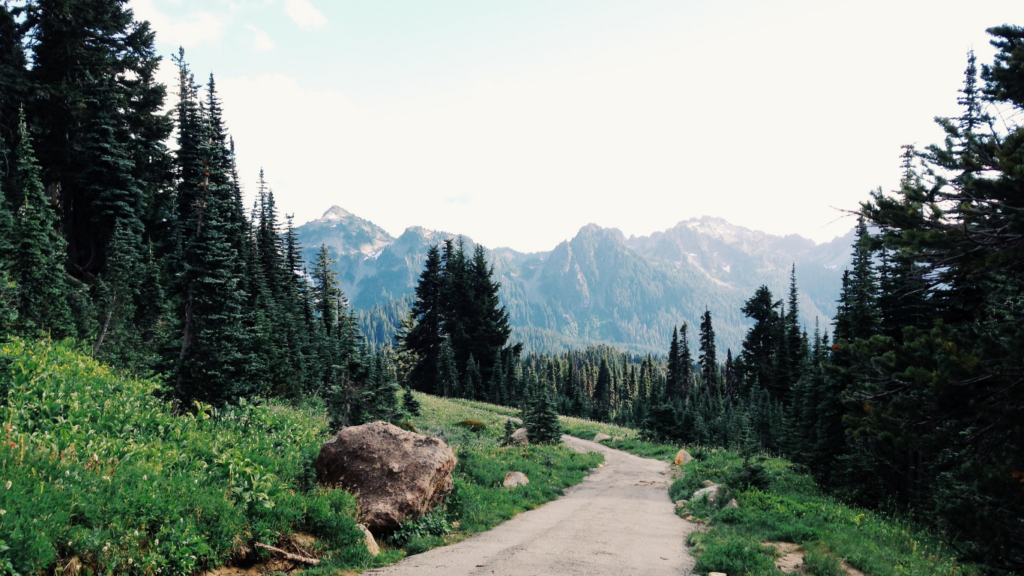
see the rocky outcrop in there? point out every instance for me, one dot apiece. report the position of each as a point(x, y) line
point(601, 437)
point(513, 479)
point(395, 474)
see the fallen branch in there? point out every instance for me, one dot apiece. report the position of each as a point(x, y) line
point(288, 555)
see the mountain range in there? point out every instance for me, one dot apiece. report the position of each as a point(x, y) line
point(600, 286)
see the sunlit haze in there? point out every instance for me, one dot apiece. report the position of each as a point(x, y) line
point(518, 122)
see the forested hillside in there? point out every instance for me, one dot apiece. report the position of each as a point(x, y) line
point(598, 287)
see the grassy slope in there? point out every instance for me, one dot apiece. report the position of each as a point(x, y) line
point(94, 466)
point(781, 505)
point(479, 502)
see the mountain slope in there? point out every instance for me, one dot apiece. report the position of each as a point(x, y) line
point(599, 286)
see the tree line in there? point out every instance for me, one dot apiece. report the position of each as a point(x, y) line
point(145, 253)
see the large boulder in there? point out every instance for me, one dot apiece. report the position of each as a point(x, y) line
point(521, 436)
point(395, 474)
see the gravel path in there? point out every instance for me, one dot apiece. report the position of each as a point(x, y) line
point(619, 520)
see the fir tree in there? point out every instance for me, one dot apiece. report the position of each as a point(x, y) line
point(38, 255)
point(510, 429)
point(544, 426)
point(425, 338)
point(603, 393)
point(761, 343)
point(708, 357)
point(409, 403)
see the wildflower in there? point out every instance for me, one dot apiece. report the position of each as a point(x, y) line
point(2, 512)
point(144, 477)
point(8, 484)
point(13, 445)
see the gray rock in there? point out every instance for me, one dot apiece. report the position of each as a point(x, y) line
point(710, 492)
point(601, 437)
point(521, 436)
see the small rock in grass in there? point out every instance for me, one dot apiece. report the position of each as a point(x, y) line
point(733, 504)
point(601, 437)
point(371, 544)
point(709, 484)
point(683, 457)
point(708, 493)
point(617, 439)
point(513, 479)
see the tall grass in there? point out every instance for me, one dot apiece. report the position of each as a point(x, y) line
point(95, 467)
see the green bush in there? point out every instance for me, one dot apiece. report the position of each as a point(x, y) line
point(734, 557)
point(94, 465)
point(820, 562)
point(434, 524)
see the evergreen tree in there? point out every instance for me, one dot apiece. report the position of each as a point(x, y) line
point(708, 357)
point(38, 255)
point(674, 381)
point(97, 112)
point(116, 293)
point(761, 343)
point(857, 315)
point(544, 426)
point(409, 403)
point(603, 393)
point(8, 289)
point(510, 429)
point(210, 355)
point(425, 338)
point(685, 362)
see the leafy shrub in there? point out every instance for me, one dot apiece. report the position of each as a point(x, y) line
point(94, 465)
point(434, 524)
point(820, 562)
point(746, 557)
point(748, 476)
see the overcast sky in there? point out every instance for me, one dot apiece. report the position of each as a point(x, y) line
point(517, 122)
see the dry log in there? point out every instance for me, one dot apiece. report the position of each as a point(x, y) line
point(288, 555)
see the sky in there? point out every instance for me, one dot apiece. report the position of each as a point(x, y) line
point(516, 122)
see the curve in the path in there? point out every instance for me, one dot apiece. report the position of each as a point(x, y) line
point(619, 520)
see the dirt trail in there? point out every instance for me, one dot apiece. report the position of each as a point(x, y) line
point(617, 521)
